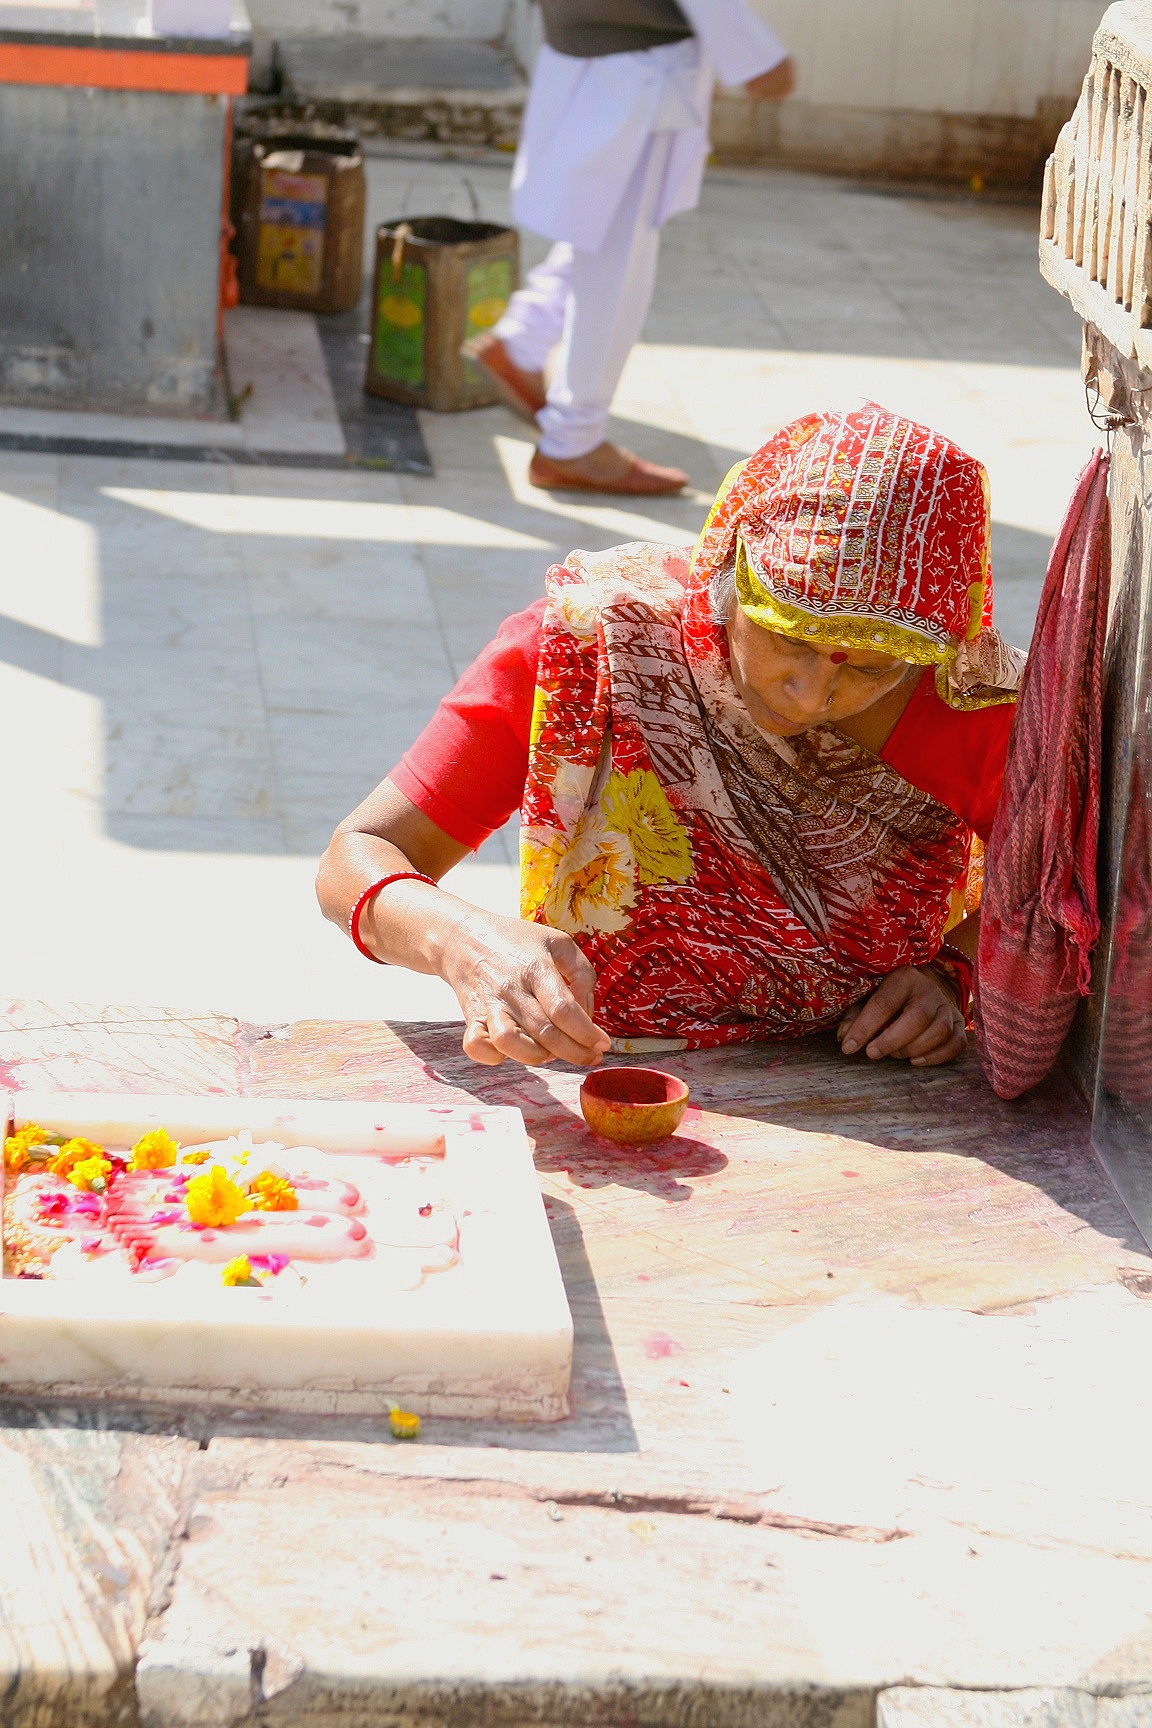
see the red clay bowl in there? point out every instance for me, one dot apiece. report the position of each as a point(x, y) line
point(633, 1105)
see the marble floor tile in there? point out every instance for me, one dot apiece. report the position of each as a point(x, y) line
point(201, 833)
point(276, 372)
point(220, 771)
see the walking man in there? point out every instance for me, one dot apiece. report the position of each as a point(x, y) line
point(614, 142)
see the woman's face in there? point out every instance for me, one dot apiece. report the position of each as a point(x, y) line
point(789, 686)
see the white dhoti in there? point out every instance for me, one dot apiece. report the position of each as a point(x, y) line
point(611, 147)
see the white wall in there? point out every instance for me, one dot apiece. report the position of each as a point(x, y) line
point(939, 56)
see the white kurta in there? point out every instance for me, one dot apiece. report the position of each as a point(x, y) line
point(588, 122)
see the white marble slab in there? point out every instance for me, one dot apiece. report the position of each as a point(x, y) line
point(489, 1338)
point(278, 376)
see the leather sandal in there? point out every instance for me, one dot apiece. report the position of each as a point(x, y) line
point(609, 469)
point(523, 392)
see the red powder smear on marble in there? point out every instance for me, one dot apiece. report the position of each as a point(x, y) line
point(849, 1172)
point(642, 1278)
point(660, 1345)
point(274, 1263)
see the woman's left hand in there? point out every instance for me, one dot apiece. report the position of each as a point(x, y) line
point(912, 1015)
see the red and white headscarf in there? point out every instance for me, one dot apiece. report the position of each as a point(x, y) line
point(865, 531)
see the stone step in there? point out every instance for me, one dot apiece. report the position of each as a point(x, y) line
point(449, 92)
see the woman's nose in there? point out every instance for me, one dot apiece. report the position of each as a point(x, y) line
point(809, 688)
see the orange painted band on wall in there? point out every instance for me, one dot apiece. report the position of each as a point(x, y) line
point(124, 69)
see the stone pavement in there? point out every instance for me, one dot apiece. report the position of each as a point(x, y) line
point(859, 1434)
point(202, 668)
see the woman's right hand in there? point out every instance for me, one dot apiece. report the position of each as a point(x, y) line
point(527, 993)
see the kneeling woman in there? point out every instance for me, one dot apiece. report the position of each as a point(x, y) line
point(749, 783)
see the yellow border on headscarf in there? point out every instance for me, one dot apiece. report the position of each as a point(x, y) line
point(864, 631)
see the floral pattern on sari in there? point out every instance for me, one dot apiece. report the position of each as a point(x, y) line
point(725, 885)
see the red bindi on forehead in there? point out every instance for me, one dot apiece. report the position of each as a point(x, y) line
point(838, 658)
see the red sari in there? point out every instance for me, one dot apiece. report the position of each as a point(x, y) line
point(725, 885)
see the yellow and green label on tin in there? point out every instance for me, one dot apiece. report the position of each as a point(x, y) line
point(489, 289)
point(398, 346)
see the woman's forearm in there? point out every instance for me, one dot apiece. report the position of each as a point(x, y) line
point(407, 923)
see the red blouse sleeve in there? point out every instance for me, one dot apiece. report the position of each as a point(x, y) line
point(467, 769)
point(957, 756)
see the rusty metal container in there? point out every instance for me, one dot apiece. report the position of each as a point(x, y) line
point(437, 282)
point(298, 197)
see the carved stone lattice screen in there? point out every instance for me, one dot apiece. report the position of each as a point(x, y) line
point(1096, 249)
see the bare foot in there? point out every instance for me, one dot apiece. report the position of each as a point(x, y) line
point(608, 468)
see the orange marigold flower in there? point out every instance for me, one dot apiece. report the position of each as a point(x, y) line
point(90, 1173)
point(155, 1150)
point(74, 1152)
point(214, 1199)
point(238, 1271)
point(200, 1156)
point(405, 1424)
point(274, 1193)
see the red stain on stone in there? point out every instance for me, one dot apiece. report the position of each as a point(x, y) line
point(660, 1345)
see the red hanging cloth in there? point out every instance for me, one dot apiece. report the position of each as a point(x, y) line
point(1040, 920)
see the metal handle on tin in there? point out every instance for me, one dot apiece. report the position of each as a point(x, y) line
point(422, 174)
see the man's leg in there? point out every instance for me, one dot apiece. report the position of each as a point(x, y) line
point(534, 320)
point(515, 351)
point(608, 301)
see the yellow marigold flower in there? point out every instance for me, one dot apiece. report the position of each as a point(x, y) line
point(74, 1152)
point(155, 1150)
point(405, 1424)
point(15, 1155)
point(90, 1173)
point(17, 1147)
point(274, 1193)
point(200, 1156)
point(238, 1271)
point(214, 1199)
point(636, 805)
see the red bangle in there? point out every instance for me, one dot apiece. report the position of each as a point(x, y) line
point(354, 920)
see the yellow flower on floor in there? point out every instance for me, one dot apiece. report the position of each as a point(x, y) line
point(90, 1174)
point(15, 1156)
point(74, 1152)
point(636, 805)
point(273, 1193)
point(155, 1150)
point(405, 1424)
point(213, 1199)
point(200, 1156)
point(18, 1147)
point(238, 1271)
point(595, 881)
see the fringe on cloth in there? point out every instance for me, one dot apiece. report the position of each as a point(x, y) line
point(1040, 918)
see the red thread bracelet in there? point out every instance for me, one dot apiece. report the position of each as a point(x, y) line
point(384, 882)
